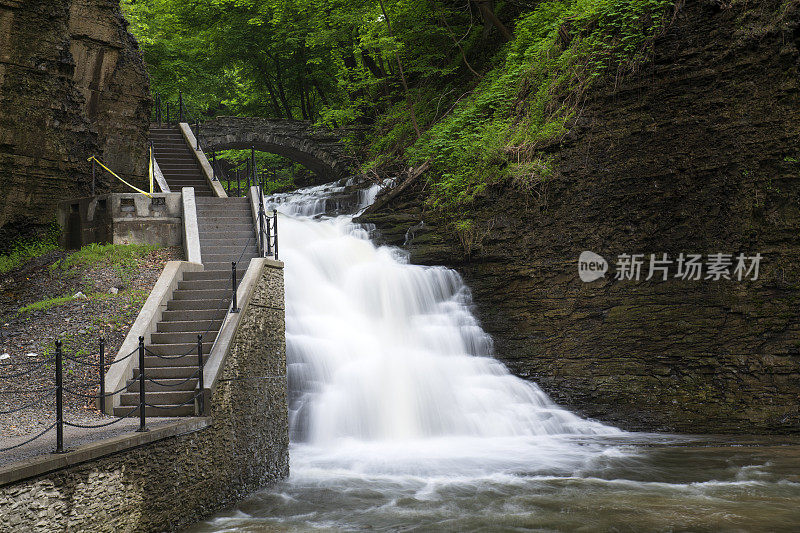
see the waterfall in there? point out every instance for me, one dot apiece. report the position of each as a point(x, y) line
point(380, 350)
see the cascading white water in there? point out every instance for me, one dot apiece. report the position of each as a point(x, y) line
point(402, 420)
point(382, 350)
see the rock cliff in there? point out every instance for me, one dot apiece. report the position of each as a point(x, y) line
point(698, 153)
point(72, 84)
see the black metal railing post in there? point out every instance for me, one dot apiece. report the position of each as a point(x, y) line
point(268, 235)
point(234, 300)
point(59, 399)
point(275, 227)
point(252, 166)
point(261, 243)
point(200, 387)
point(247, 174)
point(168, 117)
point(180, 106)
point(102, 375)
point(142, 406)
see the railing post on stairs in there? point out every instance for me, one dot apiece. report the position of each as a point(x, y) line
point(180, 106)
point(102, 375)
point(142, 405)
point(200, 386)
point(234, 301)
point(247, 172)
point(261, 243)
point(59, 399)
point(168, 114)
point(252, 166)
point(275, 225)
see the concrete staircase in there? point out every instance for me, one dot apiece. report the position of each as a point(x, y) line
point(177, 160)
point(198, 306)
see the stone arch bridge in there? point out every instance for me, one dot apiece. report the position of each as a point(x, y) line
point(321, 151)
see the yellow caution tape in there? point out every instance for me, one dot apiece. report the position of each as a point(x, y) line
point(120, 179)
point(151, 170)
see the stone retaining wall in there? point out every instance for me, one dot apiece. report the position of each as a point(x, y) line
point(172, 483)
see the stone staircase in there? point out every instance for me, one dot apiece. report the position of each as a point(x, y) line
point(201, 301)
point(177, 160)
point(198, 307)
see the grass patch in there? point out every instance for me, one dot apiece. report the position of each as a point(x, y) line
point(23, 254)
point(25, 250)
point(43, 305)
point(124, 258)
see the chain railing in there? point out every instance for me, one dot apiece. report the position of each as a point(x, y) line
point(60, 389)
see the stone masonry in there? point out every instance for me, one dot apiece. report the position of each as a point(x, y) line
point(321, 151)
point(178, 481)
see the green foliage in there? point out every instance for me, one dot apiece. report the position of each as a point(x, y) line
point(23, 254)
point(486, 108)
point(25, 250)
point(43, 305)
point(124, 258)
point(559, 50)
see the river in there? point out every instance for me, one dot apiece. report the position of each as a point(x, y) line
point(401, 419)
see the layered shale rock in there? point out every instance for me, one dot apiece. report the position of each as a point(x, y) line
point(697, 154)
point(72, 85)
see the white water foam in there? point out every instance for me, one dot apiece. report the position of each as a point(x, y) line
point(382, 350)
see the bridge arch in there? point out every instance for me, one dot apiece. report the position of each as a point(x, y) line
point(321, 151)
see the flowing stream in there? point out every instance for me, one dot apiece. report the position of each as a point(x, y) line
point(401, 419)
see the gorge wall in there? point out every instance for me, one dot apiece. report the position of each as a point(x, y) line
point(72, 85)
point(698, 153)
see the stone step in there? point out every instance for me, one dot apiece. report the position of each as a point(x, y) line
point(179, 168)
point(179, 326)
point(204, 284)
point(168, 384)
point(150, 412)
point(232, 208)
point(157, 398)
point(176, 151)
point(167, 372)
point(183, 337)
point(166, 134)
point(241, 267)
point(179, 360)
point(235, 236)
point(228, 258)
point(199, 294)
point(188, 305)
point(233, 251)
point(215, 227)
point(224, 201)
point(210, 273)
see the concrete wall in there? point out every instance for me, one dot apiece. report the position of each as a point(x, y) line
point(172, 483)
point(122, 218)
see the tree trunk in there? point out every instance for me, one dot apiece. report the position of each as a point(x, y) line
point(489, 17)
